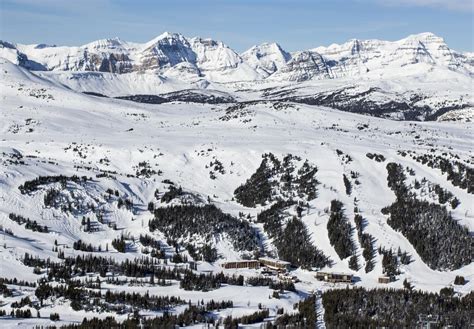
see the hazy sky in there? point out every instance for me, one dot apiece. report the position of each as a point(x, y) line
point(295, 25)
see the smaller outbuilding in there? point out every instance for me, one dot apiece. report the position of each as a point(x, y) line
point(385, 279)
point(275, 264)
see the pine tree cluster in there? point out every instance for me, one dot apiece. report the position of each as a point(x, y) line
point(33, 185)
point(206, 223)
point(306, 316)
point(392, 308)
point(190, 316)
point(347, 184)
point(29, 225)
point(234, 323)
point(391, 261)
point(80, 245)
point(457, 172)
point(278, 179)
point(120, 244)
point(340, 231)
point(366, 242)
point(441, 241)
point(292, 240)
point(375, 156)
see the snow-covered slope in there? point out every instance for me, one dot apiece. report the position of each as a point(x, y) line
point(209, 150)
point(420, 92)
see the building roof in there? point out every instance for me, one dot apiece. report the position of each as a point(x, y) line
point(335, 273)
point(241, 261)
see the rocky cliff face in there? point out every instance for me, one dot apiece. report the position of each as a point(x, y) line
point(165, 51)
point(304, 66)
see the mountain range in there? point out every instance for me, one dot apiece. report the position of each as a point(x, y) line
point(415, 78)
point(215, 61)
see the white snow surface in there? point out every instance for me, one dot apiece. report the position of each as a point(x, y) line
point(44, 121)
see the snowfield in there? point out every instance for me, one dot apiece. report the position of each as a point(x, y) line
point(48, 128)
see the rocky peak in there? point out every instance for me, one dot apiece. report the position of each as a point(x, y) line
point(266, 58)
point(166, 50)
point(214, 55)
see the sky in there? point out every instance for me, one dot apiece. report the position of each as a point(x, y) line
point(294, 24)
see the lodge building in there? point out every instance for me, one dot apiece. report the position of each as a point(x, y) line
point(271, 263)
point(334, 277)
point(242, 264)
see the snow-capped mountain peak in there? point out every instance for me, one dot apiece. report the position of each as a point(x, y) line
point(267, 57)
point(166, 50)
point(360, 56)
point(165, 38)
point(214, 55)
point(436, 48)
point(109, 43)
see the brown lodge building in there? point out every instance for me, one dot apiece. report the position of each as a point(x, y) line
point(274, 264)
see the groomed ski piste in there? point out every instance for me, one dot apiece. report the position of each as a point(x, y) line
point(55, 130)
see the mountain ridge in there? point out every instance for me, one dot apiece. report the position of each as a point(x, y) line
point(114, 55)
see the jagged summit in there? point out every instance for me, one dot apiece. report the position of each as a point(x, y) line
point(166, 37)
point(111, 43)
point(267, 57)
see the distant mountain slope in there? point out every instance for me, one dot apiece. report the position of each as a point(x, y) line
point(415, 78)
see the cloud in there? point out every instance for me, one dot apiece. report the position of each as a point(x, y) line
point(457, 5)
